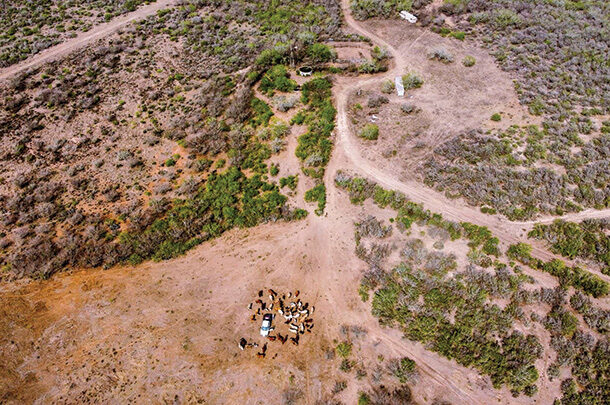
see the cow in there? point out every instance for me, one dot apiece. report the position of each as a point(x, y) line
point(260, 293)
point(242, 343)
point(253, 318)
point(272, 338)
point(296, 294)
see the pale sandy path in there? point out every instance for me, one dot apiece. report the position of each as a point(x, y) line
point(508, 232)
point(82, 39)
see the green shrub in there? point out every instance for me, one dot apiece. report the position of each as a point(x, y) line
point(290, 181)
point(403, 369)
point(388, 87)
point(496, 117)
point(369, 132)
point(363, 399)
point(412, 81)
point(277, 78)
point(318, 193)
point(262, 113)
point(469, 61)
point(320, 53)
point(344, 349)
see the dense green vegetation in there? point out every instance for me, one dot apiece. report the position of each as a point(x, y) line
point(314, 147)
point(290, 182)
point(277, 78)
point(587, 240)
point(227, 200)
point(568, 276)
point(318, 193)
point(480, 333)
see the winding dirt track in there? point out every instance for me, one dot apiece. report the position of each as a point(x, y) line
point(82, 39)
point(509, 232)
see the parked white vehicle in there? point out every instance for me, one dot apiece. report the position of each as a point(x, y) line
point(408, 16)
point(266, 325)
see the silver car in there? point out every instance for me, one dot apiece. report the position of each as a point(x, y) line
point(266, 325)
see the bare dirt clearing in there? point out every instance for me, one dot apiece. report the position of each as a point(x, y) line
point(172, 328)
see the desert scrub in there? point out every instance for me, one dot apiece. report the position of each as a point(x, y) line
point(442, 55)
point(568, 276)
point(369, 132)
point(388, 87)
point(469, 61)
point(365, 9)
point(318, 193)
point(587, 240)
point(469, 164)
point(496, 117)
point(412, 80)
point(403, 369)
point(506, 355)
point(29, 27)
point(194, 100)
point(408, 212)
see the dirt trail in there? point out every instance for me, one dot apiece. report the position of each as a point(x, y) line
point(84, 38)
point(509, 232)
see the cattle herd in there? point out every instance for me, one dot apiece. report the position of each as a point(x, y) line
point(288, 312)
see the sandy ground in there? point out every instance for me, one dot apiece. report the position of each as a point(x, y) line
point(168, 332)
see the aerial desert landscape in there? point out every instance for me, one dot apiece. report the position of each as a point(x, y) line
point(305, 202)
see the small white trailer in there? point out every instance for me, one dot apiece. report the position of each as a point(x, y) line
point(400, 88)
point(405, 15)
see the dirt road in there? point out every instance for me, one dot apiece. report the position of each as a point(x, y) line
point(82, 39)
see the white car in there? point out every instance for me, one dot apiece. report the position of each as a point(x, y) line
point(266, 325)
